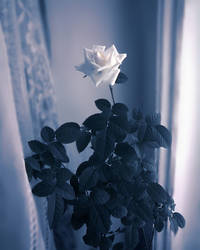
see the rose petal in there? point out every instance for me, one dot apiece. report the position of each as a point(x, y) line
point(98, 77)
point(121, 57)
point(102, 65)
point(86, 68)
point(112, 77)
point(111, 50)
point(89, 57)
point(107, 76)
point(98, 47)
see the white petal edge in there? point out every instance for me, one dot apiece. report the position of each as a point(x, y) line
point(114, 76)
point(111, 78)
point(121, 57)
point(98, 48)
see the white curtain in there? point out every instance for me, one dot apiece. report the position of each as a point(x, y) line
point(26, 104)
point(19, 228)
point(187, 164)
point(169, 41)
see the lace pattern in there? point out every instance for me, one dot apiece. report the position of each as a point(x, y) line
point(32, 88)
point(37, 69)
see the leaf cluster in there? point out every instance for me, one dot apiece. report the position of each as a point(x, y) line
point(118, 180)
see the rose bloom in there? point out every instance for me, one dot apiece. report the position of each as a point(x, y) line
point(101, 65)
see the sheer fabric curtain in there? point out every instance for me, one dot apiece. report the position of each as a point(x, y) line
point(187, 163)
point(169, 43)
point(27, 104)
point(19, 228)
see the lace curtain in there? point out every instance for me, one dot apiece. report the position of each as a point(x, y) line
point(27, 104)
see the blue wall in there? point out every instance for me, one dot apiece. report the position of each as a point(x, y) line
point(74, 25)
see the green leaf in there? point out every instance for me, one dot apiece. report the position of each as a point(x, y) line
point(109, 146)
point(124, 149)
point(173, 225)
point(47, 158)
point(59, 210)
point(83, 141)
point(35, 174)
point(95, 122)
point(165, 135)
point(127, 173)
point(102, 177)
point(122, 78)
point(92, 238)
point(81, 167)
point(114, 201)
point(138, 190)
point(47, 134)
point(141, 130)
point(75, 184)
point(149, 176)
point(136, 168)
point(43, 189)
point(153, 119)
point(37, 146)
point(138, 222)
point(103, 104)
point(32, 163)
point(105, 243)
point(79, 218)
point(127, 220)
point(99, 218)
point(159, 224)
point(158, 134)
point(100, 196)
point(121, 121)
point(63, 175)
point(119, 211)
point(131, 237)
point(103, 144)
point(115, 131)
point(142, 209)
point(51, 208)
point(119, 109)
point(88, 178)
point(80, 214)
point(163, 212)
point(118, 246)
point(58, 151)
point(137, 114)
point(112, 237)
point(157, 193)
point(180, 219)
point(67, 191)
point(112, 173)
point(68, 132)
point(94, 160)
point(47, 175)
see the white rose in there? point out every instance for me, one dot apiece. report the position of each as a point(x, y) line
point(101, 65)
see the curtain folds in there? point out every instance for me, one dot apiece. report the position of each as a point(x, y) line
point(170, 23)
point(30, 103)
point(19, 228)
point(27, 103)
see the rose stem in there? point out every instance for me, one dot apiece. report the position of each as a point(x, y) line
point(111, 91)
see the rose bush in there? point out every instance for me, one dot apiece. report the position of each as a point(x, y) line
point(101, 64)
point(118, 179)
